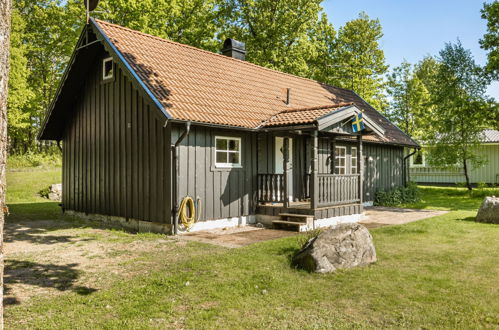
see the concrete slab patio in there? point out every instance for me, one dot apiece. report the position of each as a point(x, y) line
point(380, 216)
point(236, 237)
point(241, 236)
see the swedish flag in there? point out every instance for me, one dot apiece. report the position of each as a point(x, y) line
point(358, 123)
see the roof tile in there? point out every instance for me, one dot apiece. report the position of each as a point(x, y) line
point(198, 85)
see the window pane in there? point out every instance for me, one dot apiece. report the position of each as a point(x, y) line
point(234, 157)
point(221, 157)
point(221, 144)
point(418, 159)
point(234, 145)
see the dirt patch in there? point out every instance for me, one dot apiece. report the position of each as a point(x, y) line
point(44, 258)
point(236, 237)
point(380, 216)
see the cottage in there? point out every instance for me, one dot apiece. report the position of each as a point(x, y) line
point(145, 122)
point(424, 173)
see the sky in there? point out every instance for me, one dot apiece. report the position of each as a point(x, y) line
point(416, 28)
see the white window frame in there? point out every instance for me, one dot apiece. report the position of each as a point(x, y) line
point(104, 62)
point(228, 165)
point(423, 164)
point(353, 164)
point(338, 157)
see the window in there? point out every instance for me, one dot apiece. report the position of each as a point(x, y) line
point(227, 152)
point(340, 160)
point(353, 161)
point(417, 159)
point(107, 68)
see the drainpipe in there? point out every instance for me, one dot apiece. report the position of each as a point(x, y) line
point(175, 168)
point(405, 165)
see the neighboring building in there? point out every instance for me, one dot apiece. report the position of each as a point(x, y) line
point(422, 172)
point(145, 122)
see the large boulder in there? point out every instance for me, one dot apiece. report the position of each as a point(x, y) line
point(489, 210)
point(346, 245)
point(55, 192)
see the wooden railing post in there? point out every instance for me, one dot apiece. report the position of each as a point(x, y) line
point(333, 154)
point(285, 152)
point(360, 166)
point(314, 181)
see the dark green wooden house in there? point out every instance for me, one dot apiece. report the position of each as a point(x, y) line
point(145, 122)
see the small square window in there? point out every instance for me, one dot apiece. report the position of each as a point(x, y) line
point(107, 68)
point(227, 152)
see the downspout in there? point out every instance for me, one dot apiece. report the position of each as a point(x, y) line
point(175, 168)
point(405, 165)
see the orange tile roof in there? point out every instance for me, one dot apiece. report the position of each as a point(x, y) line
point(201, 86)
point(301, 115)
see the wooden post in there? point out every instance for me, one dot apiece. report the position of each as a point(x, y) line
point(360, 168)
point(314, 181)
point(285, 153)
point(333, 154)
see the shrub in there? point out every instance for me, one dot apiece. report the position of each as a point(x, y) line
point(34, 160)
point(398, 196)
point(44, 192)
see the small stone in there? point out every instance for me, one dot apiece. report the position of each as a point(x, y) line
point(264, 291)
point(187, 283)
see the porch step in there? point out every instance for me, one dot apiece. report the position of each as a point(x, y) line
point(291, 225)
point(294, 221)
point(303, 218)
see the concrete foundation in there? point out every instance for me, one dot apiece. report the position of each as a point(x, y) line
point(133, 225)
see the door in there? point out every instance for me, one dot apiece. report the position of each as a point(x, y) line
point(279, 163)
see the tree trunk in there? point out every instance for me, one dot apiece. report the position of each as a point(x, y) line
point(5, 16)
point(466, 175)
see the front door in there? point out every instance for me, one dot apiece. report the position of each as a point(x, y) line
point(279, 163)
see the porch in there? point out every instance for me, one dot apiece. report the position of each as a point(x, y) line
point(302, 189)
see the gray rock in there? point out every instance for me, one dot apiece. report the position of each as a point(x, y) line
point(55, 192)
point(489, 210)
point(343, 246)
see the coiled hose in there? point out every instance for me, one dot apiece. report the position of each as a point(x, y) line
point(187, 221)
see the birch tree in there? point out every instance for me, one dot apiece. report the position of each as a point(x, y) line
point(461, 110)
point(5, 14)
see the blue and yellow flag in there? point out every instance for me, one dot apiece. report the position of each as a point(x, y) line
point(358, 123)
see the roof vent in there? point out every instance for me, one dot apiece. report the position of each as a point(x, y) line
point(235, 49)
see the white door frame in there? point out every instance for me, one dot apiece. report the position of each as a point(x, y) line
point(279, 162)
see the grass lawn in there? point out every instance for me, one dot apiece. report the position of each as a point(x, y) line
point(435, 273)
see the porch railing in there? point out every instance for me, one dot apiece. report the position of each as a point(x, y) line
point(335, 189)
point(271, 188)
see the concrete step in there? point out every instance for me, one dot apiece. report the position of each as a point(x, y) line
point(290, 225)
point(301, 218)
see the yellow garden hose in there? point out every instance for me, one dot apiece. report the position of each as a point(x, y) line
point(187, 221)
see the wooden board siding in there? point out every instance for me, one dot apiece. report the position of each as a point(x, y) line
point(488, 173)
point(223, 192)
point(116, 152)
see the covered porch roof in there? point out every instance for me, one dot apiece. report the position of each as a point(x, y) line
point(325, 119)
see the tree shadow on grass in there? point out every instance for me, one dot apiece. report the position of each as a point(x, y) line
point(59, 277)
point(15, 232)
point(33, 222)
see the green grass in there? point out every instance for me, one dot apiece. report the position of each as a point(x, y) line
point(435, 273)
point(451, 198)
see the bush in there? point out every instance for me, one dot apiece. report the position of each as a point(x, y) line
point(34, 160)
point(44, 192)
point(398, 196)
